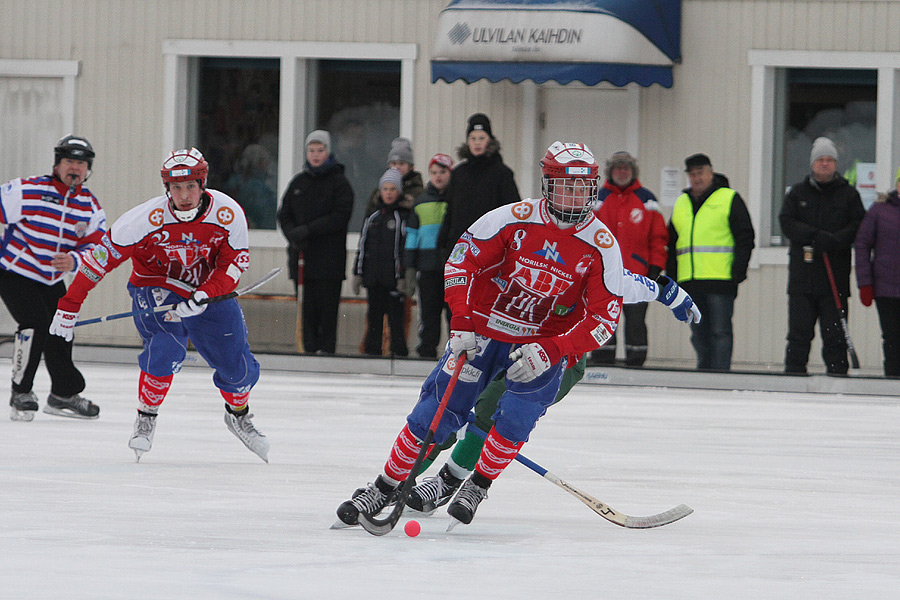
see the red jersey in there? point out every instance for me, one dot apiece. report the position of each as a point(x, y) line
point(209, 254)
point(521, 279)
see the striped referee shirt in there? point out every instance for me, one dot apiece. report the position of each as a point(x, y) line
point(43, 217)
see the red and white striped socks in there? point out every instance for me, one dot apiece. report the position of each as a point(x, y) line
point(403, 455)
point(152, 391)
point(496, 454)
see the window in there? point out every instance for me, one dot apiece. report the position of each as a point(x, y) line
point(839, 104)
point(799, 95)
point(250, 105)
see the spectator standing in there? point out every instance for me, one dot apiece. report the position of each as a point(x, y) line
point(379, 266)
point(400, 157)
point(631, 212)
point(710, 242)
point(878, 271)
point(820, 215)
point(49, 219)
point(480, 183)
point(424, 266)
point(314, 213)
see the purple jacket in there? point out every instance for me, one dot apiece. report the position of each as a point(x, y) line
point(878, 248)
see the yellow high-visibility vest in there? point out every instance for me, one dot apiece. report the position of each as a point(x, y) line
point(705, 245)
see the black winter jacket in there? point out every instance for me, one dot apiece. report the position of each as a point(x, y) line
point(380, 257)
point(478, 185)
point(313, 216)
point(826, 217)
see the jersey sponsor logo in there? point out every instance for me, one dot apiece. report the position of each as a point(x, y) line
point(601, 334)
point(522, 210)
point(604, 238)
point(50, 198)
point(539, 279)
point(225, 215)
point(109, 246)
point(242, 260)
point(454, 281)
point(156, 217)
point(451, 270)
point(561, 310)
point(498, 323)
point(89, 273)
point(458, 254)
point(187, 253)
point(550, 252)
point(100, 255)
point(469, 374)
point(614, 308)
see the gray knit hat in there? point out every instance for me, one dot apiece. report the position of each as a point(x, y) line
point(401, 150)
point(822, 147)
point(321, 136)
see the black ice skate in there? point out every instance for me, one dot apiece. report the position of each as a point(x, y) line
point(22, 406)
point(75, 407)
point(371, 501)
point(433, 492)
point(242, 427)
point(470, 495)
point(144, 429)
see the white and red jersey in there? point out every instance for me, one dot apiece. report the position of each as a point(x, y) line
point(521, 279)
point(44, 217)
point(208, 254)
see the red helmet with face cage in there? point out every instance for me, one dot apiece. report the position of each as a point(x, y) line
point(185, 165)
point(570, 181)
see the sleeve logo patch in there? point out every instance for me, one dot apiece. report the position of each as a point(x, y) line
point(225, 215)
point(604, 238)
point(156, 217)
point(458, 254)
point(522, 210)
point(454, 281)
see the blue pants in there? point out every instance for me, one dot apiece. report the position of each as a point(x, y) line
point(219, 334)
point(712, 337)
point(518, 409)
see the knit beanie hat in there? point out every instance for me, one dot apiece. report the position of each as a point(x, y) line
point(479, 121)
point(401, 150)
point(621, 158)
point(441, 159)
point(822, 147)
point(394, 176)
point(321, 136)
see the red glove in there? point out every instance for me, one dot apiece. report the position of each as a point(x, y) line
point(866, 295)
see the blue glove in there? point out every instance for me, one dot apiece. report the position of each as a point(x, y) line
point(681, 304)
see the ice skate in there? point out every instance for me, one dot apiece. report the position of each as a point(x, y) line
point(242, 427)
point(22, 406)
point(142, 438)
point(74, 406)
point(467, 500)
point(433, 492)
point(371, 501)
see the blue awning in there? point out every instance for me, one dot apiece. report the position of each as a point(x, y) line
point(619, 41)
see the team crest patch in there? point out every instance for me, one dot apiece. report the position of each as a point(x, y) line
point(80, 228)
point(604, 238)
point(522, 210)
point(156, 217)
point(458, 254)
point(225, 215)
point(100, 255)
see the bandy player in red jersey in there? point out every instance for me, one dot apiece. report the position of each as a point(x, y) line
point(185, 246)
point(532, 286)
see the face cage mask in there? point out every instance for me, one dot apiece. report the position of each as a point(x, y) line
point(566, 204)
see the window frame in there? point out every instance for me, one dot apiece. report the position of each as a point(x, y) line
point(765, 67)
point(293, 58)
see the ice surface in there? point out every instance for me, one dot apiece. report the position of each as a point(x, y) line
point(795, 496)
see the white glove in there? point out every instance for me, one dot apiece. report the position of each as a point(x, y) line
point(356, 284)
point(463, 341)
point(531, 361)
point(63, 324)
point(682, 305)
point(192, 307)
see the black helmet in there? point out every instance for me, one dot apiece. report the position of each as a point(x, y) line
point(74, 147)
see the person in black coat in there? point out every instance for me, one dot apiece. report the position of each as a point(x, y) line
point(379, 266)
point(314, 213)
point(820, 216)
point(480, 183)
